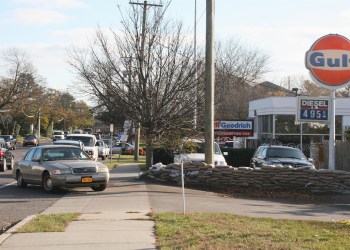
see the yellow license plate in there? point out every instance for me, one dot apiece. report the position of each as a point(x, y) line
point(86, 179)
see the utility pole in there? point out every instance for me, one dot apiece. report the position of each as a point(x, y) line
point(39, 124)
point(144, 19)
point(195, 63)
point(209, 84)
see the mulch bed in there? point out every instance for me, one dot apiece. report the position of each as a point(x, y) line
point(295, 196)
point(289, 195)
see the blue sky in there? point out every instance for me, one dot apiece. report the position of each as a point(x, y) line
point(282, 29)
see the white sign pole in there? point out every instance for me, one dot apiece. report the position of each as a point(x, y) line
point(183, 186)
point(331, 159)
point(301, 136)
point(111, 129)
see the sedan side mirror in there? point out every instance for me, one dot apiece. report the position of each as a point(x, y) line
point(37, 159)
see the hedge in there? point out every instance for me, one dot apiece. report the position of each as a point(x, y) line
point(238, 157)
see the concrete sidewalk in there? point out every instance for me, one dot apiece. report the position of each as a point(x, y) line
point(113, 219)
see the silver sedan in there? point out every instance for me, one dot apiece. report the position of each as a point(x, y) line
point(55, 166)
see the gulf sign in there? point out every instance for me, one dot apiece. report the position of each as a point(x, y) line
point(234, 128)
point(328, 61)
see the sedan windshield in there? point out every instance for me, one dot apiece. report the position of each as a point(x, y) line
point(56, 154)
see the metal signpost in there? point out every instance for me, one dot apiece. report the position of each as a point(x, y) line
point(329, 66)
point(111, 129)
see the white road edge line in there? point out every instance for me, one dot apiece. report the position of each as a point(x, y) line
point(7, 185)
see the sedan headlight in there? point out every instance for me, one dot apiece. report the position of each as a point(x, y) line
point(102, 169)
point(62, 171)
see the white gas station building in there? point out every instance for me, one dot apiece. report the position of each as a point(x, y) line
point(271, 114)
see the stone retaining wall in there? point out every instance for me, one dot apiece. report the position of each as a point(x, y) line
point(268, 177)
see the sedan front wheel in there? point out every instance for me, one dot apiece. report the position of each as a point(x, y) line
point(48, 184)
point(99, 188)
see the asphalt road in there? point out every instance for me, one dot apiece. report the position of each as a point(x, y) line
point(17, 203)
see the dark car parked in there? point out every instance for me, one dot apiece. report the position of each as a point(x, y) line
point(30, 140)
point(6, 157)
point(280, 156)
point(10, 141)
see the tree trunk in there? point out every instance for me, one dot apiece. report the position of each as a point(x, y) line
point(149, 154)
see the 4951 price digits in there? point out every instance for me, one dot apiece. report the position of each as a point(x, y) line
point(314, 114)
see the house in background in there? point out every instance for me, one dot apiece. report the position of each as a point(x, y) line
point(266, 89)
point(101, 127)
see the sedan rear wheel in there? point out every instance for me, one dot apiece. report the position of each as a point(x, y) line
point(48, 184)
point(99, 188)
point(20, 181)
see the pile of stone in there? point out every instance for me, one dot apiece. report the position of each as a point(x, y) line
point(266, 177)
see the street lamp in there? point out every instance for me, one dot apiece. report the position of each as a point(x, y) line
point(52, 125)
point(295, 90)
point(32, 116)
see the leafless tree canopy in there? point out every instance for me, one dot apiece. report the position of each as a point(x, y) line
point(147, 73)
point(19, 80)
point(236, 68)
point(18, 83)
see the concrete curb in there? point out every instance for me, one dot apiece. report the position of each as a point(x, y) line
point(13, 229)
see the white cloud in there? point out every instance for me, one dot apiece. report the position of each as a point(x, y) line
point(53, 3)
point(36, 16)
point(345, 14)
point(81, 37)
point(286, 46)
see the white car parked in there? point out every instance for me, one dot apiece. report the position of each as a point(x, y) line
point(57, 135)
point(193, 151)
point(103, 149)
point(70, 142)
point(89, 142)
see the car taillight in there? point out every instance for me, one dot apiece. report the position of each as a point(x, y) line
point(2, 153)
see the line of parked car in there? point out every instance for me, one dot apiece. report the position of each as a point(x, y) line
point(105, 147)
point(70, 161)
point(7, 142)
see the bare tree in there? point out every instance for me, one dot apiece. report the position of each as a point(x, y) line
point(344, 92)
point(146, 73)
point(236, 68)
point(18, 83)
point(309, 88)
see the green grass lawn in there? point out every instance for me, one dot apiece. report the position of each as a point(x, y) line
point(49, 223)
point(223, 231)
point(123, 159)
point(227, 231)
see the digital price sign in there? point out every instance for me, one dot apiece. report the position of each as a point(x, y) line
point(313, 109)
